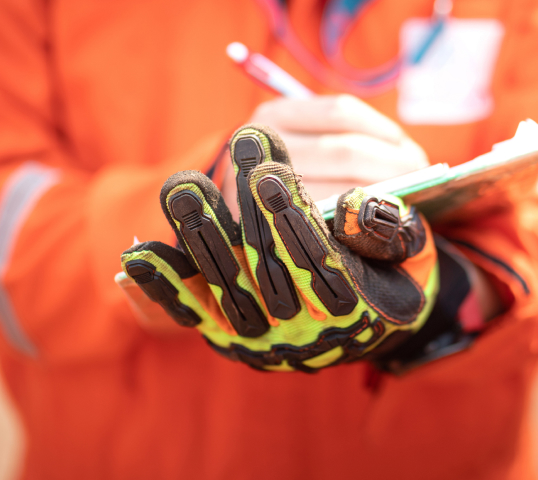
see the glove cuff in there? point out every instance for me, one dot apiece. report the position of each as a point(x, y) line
point(453, 324)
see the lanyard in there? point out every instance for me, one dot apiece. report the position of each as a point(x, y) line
point(337, 19)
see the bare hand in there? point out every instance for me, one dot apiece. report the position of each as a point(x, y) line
point(336, 142)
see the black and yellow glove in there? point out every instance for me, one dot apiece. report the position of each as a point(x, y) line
point(280, 291)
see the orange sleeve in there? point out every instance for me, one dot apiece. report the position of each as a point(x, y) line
point(504, 245)
point(62, 228)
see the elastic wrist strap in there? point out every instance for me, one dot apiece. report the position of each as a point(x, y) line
point(453, 323)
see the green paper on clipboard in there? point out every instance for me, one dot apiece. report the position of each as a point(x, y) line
point(508, 172)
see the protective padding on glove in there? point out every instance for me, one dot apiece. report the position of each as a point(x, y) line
point(280, 292)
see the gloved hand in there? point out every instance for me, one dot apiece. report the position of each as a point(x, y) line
point(281, 292)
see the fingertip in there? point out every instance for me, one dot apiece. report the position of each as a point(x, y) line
point(154, 266)
point(206, 192)
point(273, 148)
point(272, 168)
point(373, 227)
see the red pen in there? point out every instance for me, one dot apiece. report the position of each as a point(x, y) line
point(267, 73)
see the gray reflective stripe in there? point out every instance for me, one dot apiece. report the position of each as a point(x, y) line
point(18, 197)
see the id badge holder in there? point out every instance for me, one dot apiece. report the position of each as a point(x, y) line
point(451, 82)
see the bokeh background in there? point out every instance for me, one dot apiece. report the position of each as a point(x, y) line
point(12, 436)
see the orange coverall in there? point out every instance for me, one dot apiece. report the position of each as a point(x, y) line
point(99, 103)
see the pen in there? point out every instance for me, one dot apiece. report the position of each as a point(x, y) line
point(267, 73)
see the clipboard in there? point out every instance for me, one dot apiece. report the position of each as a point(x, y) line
point(485, 183)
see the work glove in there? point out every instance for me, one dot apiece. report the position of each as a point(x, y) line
point(283, 290)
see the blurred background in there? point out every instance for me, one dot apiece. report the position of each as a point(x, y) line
point(12, 437)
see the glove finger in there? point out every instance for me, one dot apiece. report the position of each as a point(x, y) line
point(250, 146)
point(204, 227)
point(167, 278)
point(302, 239)
point(378, 228)
point(336, 278)
point(150, 265)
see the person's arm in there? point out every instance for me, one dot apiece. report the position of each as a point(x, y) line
point(62, 228)
point(502, 248)
point(337, 142)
